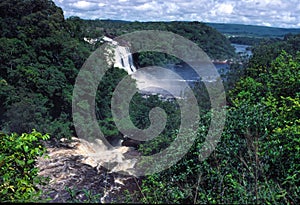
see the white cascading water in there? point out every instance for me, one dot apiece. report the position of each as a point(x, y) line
point(122, 56)
point(149, 80)
point(75, 165)
point(123, 59)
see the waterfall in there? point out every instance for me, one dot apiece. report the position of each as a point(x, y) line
point(123, 59)
point(122, 56)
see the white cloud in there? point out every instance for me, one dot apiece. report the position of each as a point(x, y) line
point(146, 6)
point(277, 13)
point(225, 8)
point(84, 5)
point(172, 7)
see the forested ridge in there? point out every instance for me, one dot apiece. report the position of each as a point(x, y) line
point(240, 30)
point(256, 160)
point(211, 41)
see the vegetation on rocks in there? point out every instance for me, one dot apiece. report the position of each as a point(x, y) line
point(256, 160)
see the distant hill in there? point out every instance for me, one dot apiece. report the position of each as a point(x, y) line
point(252, 31)
point(216, 45)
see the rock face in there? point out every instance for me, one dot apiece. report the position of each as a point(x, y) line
point(130, 143)
point(74, 167)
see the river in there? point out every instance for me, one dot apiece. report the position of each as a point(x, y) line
point(172, 80)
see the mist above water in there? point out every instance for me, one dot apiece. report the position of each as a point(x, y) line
point(172, 80)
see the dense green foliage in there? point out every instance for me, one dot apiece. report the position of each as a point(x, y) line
point(212, 42)
point(41, 54)
point(256, 160)
point(252, 41)
point(19, 176)
point(266, 52)
point(39, 63)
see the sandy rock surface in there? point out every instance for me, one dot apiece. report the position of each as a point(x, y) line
point(79, 166)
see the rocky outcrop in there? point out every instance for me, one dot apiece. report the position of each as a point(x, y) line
point(74, 167)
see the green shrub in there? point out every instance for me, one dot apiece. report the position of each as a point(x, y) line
point(83, 195)
point(19, 176)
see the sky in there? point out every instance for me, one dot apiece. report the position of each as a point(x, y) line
point(275, 13)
